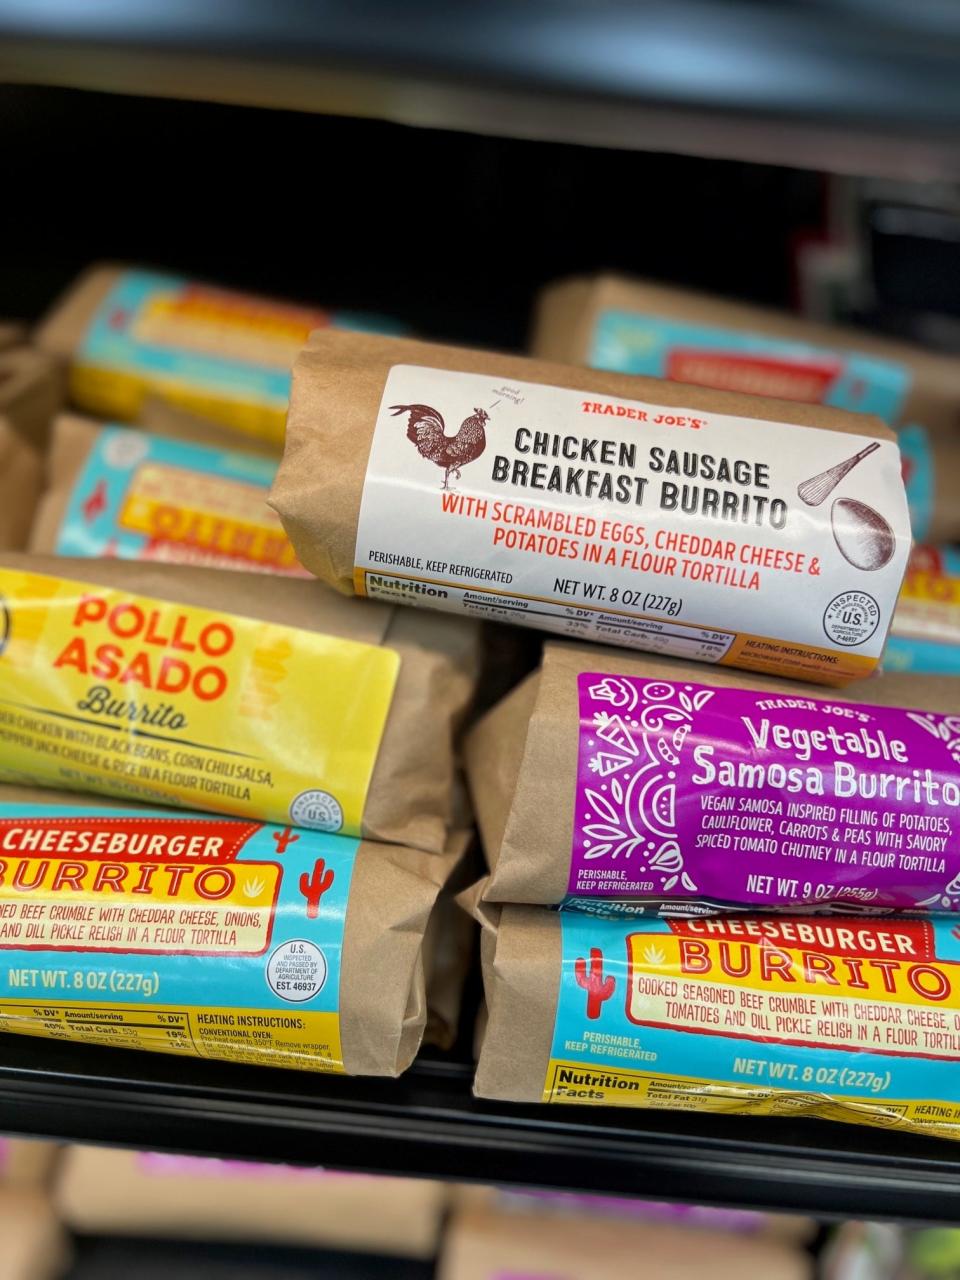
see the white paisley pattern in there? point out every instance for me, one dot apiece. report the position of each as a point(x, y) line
point(631, 812)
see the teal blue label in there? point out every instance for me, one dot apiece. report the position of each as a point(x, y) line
point(193, 337)
point(922, 657)
point(917, 461)
point(630, 342)
point(141, 496)
point(143, 323)
point(849, 1017)
point(200, 934)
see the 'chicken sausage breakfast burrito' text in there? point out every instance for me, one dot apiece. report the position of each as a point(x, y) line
point(709, 525)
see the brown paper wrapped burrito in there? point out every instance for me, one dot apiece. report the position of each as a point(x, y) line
point(224, 355)
point(556, 510)
point(182, 505)
point(338, 383)
point(216, 950)
point(636, 326)
point(31, 392)
point(137, 1193)
point(570, 311)
point(11, 333)
point(21, 480)
point(413, 793)
point(522, 760)
point(486, 1244)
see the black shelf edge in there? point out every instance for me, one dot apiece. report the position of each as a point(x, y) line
point(427, 1124)
point(846, 85)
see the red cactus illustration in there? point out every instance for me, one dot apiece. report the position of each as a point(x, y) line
point(284, 838)
point(598, 987)
point(314, 886)
point(96, 503)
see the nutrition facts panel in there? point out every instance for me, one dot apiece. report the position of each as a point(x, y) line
point(140, 1027)
point(652, 635)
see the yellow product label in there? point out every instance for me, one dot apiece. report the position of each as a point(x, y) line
point(180, 509)
point(305, 1040)
point(218, 322)
point(845, 1018)
point(104, 690)
point(121, 396)
point(176, 932)
point(573, 1082)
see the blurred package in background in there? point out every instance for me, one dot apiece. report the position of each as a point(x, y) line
point(34, 1244)
point(128, 334)
point(886, 1251)
point(504, 1240)
point(925, 634)
point(131, 1193)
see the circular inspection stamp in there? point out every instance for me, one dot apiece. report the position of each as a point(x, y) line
point(317, 811)
point(851, 618)
point(297, 971)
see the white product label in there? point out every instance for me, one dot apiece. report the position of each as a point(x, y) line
point(759, 544)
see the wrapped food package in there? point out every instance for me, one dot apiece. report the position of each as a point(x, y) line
point(104, 1192)
point(644, 784)
point(726, 528)
point(212, 937)
point(30, 394)
point(925, 634)
point(11, 334)
point(789, 1228)
point(136, 495)
point(255, 695)
point(485, 1244)
point(129, 334)
point(35, 1245)
point(837, 1017)
point(634, 326)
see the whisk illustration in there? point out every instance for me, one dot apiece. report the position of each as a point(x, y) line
point(819, 487)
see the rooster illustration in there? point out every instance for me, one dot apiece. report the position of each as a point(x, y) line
point(428, 432)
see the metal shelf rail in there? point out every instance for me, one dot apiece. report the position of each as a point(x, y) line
point(428, 1124)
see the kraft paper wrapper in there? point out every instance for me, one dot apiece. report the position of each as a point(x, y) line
point(390, 981)
point(30, 393)
point(483, 1244)
point(169, 420)
point(21, 481)
point(414, 794)
point(64, 327)
point(566, 318)
point(104, 1192)
point(35, 1245)
point(338, 382)
point(26, 1162)
point(11, 333)
point(521, 955)
point(521, 758)
point(73, 439)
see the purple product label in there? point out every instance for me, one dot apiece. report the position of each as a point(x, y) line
point(692, 800)
point(159, 1163)
point(741, 1221)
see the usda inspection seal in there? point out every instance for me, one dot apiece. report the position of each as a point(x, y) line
point(297, 970)
point(851, 618)
point(317, 811)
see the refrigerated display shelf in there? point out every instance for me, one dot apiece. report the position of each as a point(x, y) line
point(428, 1124)
point(841, 84)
